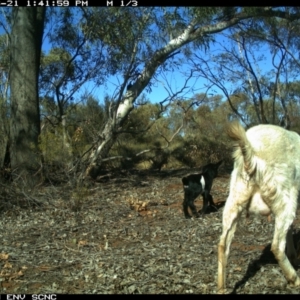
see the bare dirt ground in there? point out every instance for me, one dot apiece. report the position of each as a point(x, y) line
point(127, 234)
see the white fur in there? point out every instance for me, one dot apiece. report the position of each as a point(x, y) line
point(265, 179)
point(202, 181)
point(258, 206)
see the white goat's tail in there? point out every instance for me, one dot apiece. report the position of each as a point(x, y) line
point(237, 133)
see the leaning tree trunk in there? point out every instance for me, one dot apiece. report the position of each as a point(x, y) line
point(123, 109)
point(26, 40)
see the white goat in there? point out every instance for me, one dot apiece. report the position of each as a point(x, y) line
point(265, 180)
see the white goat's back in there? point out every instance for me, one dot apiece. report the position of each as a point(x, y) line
point(275, 144)
point(269, 155)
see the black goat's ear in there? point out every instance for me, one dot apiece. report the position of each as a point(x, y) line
point(204, 169)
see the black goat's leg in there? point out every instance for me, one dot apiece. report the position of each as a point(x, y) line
point(207, 202)
point(192, 206)
point(205, 196)
point(185, 206)
point(190, 198)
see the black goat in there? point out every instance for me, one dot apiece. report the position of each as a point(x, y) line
point(199, 184)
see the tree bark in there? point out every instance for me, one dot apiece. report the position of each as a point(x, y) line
point(26, 40)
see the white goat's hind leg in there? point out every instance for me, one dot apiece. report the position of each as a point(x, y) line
point(230, 217)
point(239, 196)
point(283, 221)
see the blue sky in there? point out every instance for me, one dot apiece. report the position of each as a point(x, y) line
point(175, 79)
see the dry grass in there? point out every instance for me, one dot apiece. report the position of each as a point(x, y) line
point(129, 235)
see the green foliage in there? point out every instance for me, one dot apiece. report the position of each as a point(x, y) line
point(205, 14)
point(204, 136)
point(56, 64)
point(123, 32)
point(201, 140)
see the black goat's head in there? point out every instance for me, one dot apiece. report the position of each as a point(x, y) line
point(212, 169)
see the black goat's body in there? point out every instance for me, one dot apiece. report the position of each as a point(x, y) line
point(199, 184)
